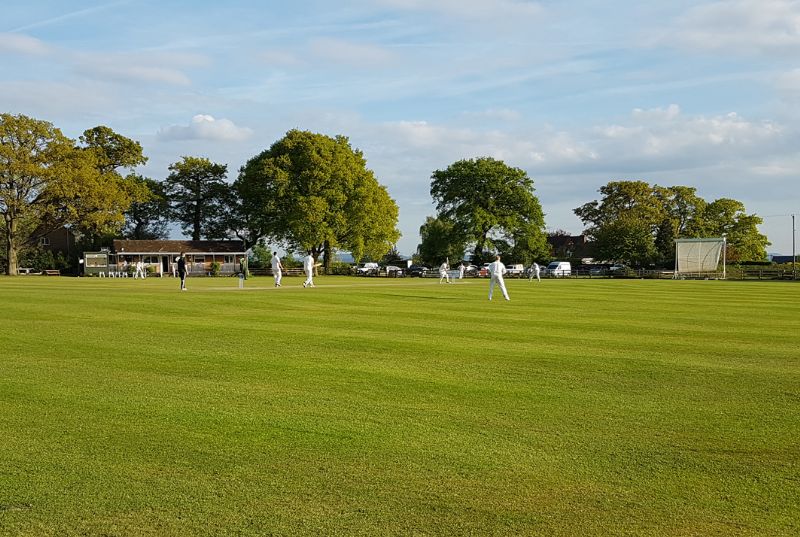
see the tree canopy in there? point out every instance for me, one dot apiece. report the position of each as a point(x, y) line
point(636, 222)
point(439, 241)
point(47, 181)
point(199, 197)
point(487, 201)
point(313, 192)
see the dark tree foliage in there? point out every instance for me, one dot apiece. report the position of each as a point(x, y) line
point(200, 200)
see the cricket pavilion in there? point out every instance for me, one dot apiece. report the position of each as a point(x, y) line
point(160, 257)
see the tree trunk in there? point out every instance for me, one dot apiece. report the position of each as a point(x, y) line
point(11, 246)
point(327, 259)
point(196, 223)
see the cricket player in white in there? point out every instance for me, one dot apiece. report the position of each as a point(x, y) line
point(308, 266)
point(443, 272)
point(277, 268)
point(461, 269)
point(496, 271)
point(535, 272)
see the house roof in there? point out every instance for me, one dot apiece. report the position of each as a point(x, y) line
point(559, 241)
point(176, 247)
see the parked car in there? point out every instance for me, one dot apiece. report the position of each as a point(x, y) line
point(617, 267)
point(559, 269)
point(515, 269)
point(471, 270)
point(484, 271)
point(394, 272)
point(416, 270)
point(367, 269)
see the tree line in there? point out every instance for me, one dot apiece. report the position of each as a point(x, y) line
point(311, 192)
point(307, 192)
point(637, 223)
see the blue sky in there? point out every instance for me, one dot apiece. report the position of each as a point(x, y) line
point(578, 93)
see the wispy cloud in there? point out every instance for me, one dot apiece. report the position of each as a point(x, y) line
point(64, 17)
point(133, 73)
point(362, 55)
point(144, 67)
point(472, 9)
point(22, 44)
point(279, 58)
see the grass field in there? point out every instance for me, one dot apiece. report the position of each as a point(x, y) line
point(399, 407)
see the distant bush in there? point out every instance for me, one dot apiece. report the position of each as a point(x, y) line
point(215, 268)
point(340, 269)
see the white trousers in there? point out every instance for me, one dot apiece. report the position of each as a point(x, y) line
point(310, 278)
point(499, 281)
point(444, 276)
point(278, 276)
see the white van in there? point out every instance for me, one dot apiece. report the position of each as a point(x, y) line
point(558, 269)
point(367, 269)
point(515, 269)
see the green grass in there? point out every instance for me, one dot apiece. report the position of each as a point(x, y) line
point(399, 407)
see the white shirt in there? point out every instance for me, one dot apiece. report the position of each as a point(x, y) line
point(536, 268)
point(443, 268)
point(497, 269)
point(276, 262)
point(308, 262)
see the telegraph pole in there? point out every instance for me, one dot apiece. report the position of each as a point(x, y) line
point(794, 272)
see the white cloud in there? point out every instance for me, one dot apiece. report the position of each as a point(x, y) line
point(664, 114)
point(22, 44)
point(664, 138)
point(205, 127)
point(742, 26)
point(648, 142)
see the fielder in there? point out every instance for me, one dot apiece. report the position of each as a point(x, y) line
point(496, 271)
point(535, 272)
point(461, 269)
point(443, 273)
point(308, 266)
point(277, 268)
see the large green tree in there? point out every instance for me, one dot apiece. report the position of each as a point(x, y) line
point(199, 198)
point(637, 223)
point(487, 200)
point(439, 241)
point(47, 181)
point(625, 221)
point(110, 153)
point(728, 217)
point(315, 193)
